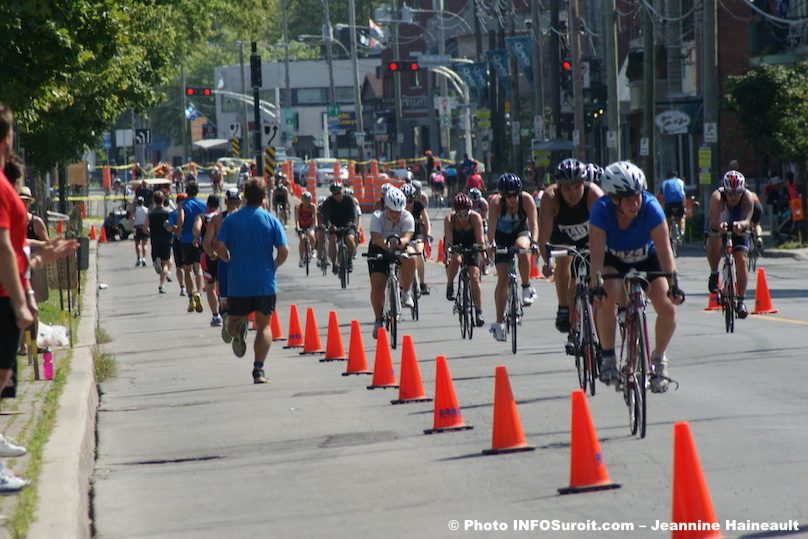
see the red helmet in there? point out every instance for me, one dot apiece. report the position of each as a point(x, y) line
point(734, 182)
point(461, 201)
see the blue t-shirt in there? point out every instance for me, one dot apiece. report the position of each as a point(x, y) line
point(192, 208)
point(673, 191)
point(633, 244)
point(251, 235)
point(172, 220)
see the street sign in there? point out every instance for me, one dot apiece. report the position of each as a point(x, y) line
point(611, 139)
point(289, 114)
point(710, 132)
point(123, 137)
point(705, 157)
point(515, 135)
point(445, 120)
point(434, 60)
point(644, 146)
point(235, 130)
point(333, 110)
point(107, 140)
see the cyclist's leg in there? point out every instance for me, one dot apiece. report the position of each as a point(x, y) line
point(418, 247)
point(407, 270)
point(713, 255)
point(476, 289)
point(528, 292)
point(301, 247)
point(741, 253)
point(564, 287)
point(501, 290)
point(378, 282)
point(451, 272)
point(350, 243)
point(666, 315)
point(606, 318)
point(320, 244)
point(332, 248)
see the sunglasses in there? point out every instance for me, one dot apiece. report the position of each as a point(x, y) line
point(511, 195)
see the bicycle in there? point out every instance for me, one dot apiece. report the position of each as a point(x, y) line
point(392, 294)
point(343, 260)
point(755, 251)
point(463, 305)
point(307, 250)
point(513, 301)
point(582, 341)
point(635, 356)
point(322, 257)
point(726, 294)
point(282, 211)
point(675, 235)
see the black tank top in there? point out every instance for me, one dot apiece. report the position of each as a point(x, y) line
point(462, 237)
point(31, 232)
point(572, 222)
point(417, 208)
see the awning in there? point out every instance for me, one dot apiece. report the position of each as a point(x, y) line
point(207, 144)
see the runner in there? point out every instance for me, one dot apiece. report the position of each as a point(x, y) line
point(280, 200)
point(232, 200)
point(157, 228)
point(191, 252)
point(247, 240)
point(141, 215)
point(208, 262)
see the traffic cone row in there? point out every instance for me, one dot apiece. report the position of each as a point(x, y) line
point(92, 232)
point(103, 237)
point(441, 256)
point(691, 498)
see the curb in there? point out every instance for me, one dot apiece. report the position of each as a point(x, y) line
point(63, 502)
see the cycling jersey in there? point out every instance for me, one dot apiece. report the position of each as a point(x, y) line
point(280, 195)
point(511, 223)
point(460, 236)
point(340, 213)
point(305, 216)
point(633, 244)
point(571, 225)
point(673, 190)
point(416, 211)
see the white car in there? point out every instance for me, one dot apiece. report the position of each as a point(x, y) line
point(325, 170)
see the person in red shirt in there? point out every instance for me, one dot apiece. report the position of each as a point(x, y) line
point(474, 180)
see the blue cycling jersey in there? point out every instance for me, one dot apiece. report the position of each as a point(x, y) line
point(633, 244)
point(673, 191)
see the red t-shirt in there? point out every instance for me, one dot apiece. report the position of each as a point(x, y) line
point(14, 218)
point(475, 180)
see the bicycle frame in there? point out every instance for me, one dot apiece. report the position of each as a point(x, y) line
point(727, 290)
point(513, 302)
point(463, 299)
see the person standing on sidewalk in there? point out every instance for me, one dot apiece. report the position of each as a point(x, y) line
point(247, 240)
point(191, 246)
point(18, 307)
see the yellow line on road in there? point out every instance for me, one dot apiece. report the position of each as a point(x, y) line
point(781, 319)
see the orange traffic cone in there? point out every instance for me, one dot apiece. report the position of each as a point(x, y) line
point(361, 236)
point(712, 303)
point(412, 387)
point(763, 300)
point(508, 435)
point(295, 339)
point(691, 497)
point(312, 343)
point(357, 363)
point(428, 250)
point(92, 232)
point(587, 470)
point(447, 416)
point(333, 344)
point(384, 376)
point(275, 327)
point(441, 257)
point(103, 237)
point(534, 267)
point(59, 227)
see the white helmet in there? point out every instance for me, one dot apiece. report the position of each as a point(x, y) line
point(395, 199)
point(417, 184)
point(409, 190)
point(623, 179)
point(385, 187)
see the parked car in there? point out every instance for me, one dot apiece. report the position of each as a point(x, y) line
point(325, 170)
point(119, 224)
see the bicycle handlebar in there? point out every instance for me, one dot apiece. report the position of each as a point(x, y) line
point(510, 251)
point(633, 274)
point(554, 250)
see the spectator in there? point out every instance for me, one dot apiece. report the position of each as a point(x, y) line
point(791, 188)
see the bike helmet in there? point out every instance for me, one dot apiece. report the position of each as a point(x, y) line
point(305, 196)
point(181, 197)
point(509, 183)
point(594, 173)
point(320, 200)
point(475, 194)
point(461, 202)
point(734, 182)
point(408, 190)
point(348, 191)
point(335, 187)
point(385, 187)
point(417, 184)
point(570, 171)
point(623, 179)
point(395, 199)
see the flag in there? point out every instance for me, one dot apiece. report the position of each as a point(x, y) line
point(191, 113)
point(376, 38)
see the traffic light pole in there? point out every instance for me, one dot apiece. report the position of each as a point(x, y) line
point(577, 78)
point(255, 79)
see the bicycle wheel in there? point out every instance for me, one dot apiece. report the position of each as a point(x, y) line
point(392, 315)
point(728, 297)
point(468, 305)
point(514, 314)
point(415, 290)
point(343, 267)
point(674, 240)
point(307, 253)
point(589, 346)
point(643, 358)
point(575, 333)
point(460, 307)
point(631, 381)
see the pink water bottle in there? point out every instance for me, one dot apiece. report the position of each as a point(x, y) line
point(47, 364)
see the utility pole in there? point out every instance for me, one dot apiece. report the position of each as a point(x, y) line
point(516, 139)
point(612, 104)
point(574, 33)
point(255, 80)
point(649, 95)
point(182, 115)
point(709, 63)
point(360, 123)
point(555, 79)
point(287, 100)
point(445, 132)
point(244, 138)
point(327, 37)
point(478, 34)
point(538, 75)
point(397, 82)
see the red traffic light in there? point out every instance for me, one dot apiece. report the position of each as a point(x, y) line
point(393, 66)
point(413, 66)
point(207, 92)
point(190, 91)
point(566, 65)
point(196, 91)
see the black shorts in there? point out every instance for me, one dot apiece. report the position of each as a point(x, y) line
point(381, 265)
point(244, 305)
point(210, 268)
point(649, 264)
point(757, 213)
point(471, 259)
point(139, 234)
point(9, 334)
point(176, 248)
point(675, 209)
point(507, 240)
point(190, 254)
point(560, 238)
point(161, 250)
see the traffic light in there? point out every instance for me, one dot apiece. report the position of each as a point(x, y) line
point(393, 66)
point(413, 66)
point(566, 74)
point(398, 65)
point(198, 91)
point(566, 66)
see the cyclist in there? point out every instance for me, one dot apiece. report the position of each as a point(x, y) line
point(464, 226)
point(673, 199)
point(438, 181)
point(627, 229)
point(730, 204)
point(320, 244)
point(394, 219)
point(564, 210)
point(280, 200)
point(594, 173)
point(305, 223)
point(423, 231)
point(419, 193)
point(512, 224)
point(339, 211)
point(216, 180)
point(379, 204)
point(478, 203)
point(177, 176)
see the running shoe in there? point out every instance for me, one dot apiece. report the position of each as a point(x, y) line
point(424, 289)
point(190, 304)
point(216, 321)
point(9, 449)
point(198, 303)
point(226, 337)
point(498, 330)
point(182, 291)
point(659, 374)
point(161, 289)
point(10, 482)
point(259, 377)
point(528, 295)
point(158, 265)
point(376, 326)
point(239, 339)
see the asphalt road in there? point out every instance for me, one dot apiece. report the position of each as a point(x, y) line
point(189, 447)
